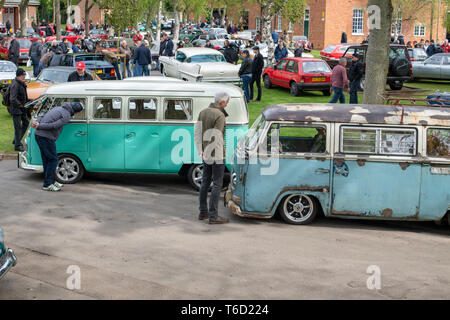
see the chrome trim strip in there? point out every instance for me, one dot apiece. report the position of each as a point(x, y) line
point(10, 261)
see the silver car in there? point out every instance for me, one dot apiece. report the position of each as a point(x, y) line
point(435, 67)
point(8, 73)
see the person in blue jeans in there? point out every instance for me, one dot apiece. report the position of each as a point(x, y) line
point(339, 81)
point(48, 128)
point(245, 72)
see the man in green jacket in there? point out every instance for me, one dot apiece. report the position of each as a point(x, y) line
point(210, 142)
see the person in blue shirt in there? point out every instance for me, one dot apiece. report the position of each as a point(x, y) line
point(275, 36)
point(142, 57)
point(280, 51)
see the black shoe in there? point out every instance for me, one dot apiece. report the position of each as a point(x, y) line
point(257, 100)
point(203, 217)
point(19, 149)
point(218, 220)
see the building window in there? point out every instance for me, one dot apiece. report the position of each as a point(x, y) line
point(279, 23)
point(358, 21)
point(306, 15)
point(291, 27)
point(258, 23)
point(419, 31)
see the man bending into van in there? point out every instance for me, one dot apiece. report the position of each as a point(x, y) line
point(210, 142)
point(48, 129)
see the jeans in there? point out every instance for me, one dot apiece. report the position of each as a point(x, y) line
point(246, 78)
point(145, 70)
point(338, 95)
point(129, 74)
point(20, 128)
point(141, 69)
point(256, 78)
point(49, 159)
point(116, 68)
point(35, 62)
point(211, 172)
point(354, 85)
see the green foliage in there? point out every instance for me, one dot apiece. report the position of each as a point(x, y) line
point(293, 10)
point(122, 13)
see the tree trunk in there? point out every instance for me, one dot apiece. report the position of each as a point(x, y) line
point(23, 17)
point(158, 22)
point(69, 11)
point(432, 19)
point(58, 19)
point(87, 10)
point(267, 34)
point(54, 12)
point(377, 62)
point(176, 31)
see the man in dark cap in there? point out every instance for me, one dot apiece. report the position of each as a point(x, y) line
point(355, 75)
point(48, 128)
point(18, 98)
point(257, 67)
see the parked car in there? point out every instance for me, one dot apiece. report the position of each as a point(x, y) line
point(25, 45)
point(110, 45)
point(303, 40)
point(8, 73)
point(374, 162)
point(336, 51)
point(217, 40)
point(218, 31)
point(98, 33)
point(49, 76)
point(94, 62)
point(417, 54)
point(7, 257)
point(130, 125)
point(435, 67)
point(199, 64)
point(299, 75)
point(3, 30)
point(400, 67)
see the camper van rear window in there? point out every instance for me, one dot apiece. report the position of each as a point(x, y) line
point(438, 143)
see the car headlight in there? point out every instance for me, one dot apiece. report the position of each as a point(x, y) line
point(234, 179)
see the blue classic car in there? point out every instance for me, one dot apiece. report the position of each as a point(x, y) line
point(7, 257)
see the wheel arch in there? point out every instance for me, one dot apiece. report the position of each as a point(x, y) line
point(73, 155)
point(320, 197)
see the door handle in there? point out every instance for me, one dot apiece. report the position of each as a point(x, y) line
point(154, 134)
point(81, 133)
point(322, 171)
point(129, 135)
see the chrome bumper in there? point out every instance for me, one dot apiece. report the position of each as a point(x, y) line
point(7, 262)
point(22, 163)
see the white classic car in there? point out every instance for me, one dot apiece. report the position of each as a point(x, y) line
point(199, 64)
point(8, 73)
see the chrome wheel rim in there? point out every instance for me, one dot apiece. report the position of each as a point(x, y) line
point(298, 207)
point(197, 175)
point(67, 170)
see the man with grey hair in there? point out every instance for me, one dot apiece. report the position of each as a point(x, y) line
point(209, 138)
point(339, 81)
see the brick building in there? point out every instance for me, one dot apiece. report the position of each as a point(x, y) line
point(96, 15)
point(324, 21)
point(11, 12)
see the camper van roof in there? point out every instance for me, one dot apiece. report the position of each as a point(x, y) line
point(345, 113)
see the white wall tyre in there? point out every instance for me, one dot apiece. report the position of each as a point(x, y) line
point(298, 209)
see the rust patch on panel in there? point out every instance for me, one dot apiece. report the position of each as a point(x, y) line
point(324, 189)
point(387, 213)
point(339, 162)
point(361, 162)
point(404, 165)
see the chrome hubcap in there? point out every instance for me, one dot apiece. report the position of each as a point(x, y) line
point(298, 207)
point(197, 175)
point(67, 169)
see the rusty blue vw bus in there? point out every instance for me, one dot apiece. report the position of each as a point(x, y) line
point(347, 161)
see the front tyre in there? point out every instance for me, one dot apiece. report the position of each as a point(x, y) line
point(298, 209)
point(69, 170)
point(267, 83)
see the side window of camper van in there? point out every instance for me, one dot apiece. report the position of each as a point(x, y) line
point(177, 109)
point(142, 108)
point(381, 141)
point(438, 143)
point(51, 102)
point(296, 139)
point(107, 108)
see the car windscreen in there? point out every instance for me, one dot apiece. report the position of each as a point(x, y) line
point(397, 53)
point(419, 54)
point(8, 67)
point(315, 67)
point(56, 76)
point(206, 58)
point(329, 49)
point(24, 43)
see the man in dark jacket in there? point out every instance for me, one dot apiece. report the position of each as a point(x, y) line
point(431, 49)
point(80, 74)
point(280, 51)
point(245, 72)
point(229, 53)
point(18, 98)
point(8, 26)
point(168, 47)
point(211, 122)
point(343, 37)
point(48, 128)
point(355, 75)
point(257, 67)
point(36, 54)
point(298, 50)
point(142, 58)
point(14, 51)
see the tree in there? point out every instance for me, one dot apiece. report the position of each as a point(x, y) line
point(377, 62)
point(88, 5)
point(293, 10)
point(23, 16)
point(58, 19)
point(123, 13)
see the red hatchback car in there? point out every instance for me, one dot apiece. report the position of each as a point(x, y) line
point(335, 51)
point(299, 74)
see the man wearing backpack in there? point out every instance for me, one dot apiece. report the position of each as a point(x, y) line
point(17, 99)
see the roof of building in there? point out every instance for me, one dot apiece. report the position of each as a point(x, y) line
point(9, 3)
point(350, 113)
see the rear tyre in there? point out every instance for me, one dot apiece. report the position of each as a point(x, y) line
point(298, 209)
point(294, 89)
point(267, 83)
point(69, 170)
point(396, 85)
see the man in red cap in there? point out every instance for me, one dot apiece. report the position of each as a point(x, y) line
point(80, 74)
